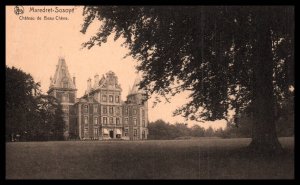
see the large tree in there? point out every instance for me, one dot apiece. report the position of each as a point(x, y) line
point(51, 125)
point(20, 90)
point(228, 57)
point(30, 114)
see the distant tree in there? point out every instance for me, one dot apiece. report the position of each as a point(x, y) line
point(219, 132)
point(242, 126)
point(159, 130)
point(197, 131)
point(182, 129)
point(209, 132)
point(229, 57)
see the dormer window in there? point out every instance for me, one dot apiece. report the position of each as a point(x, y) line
point(65, 84)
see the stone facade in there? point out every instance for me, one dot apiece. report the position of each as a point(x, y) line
point(100, 114)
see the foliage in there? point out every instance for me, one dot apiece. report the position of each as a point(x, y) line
point(242, 127)
point(286, 120)
point(211, 55)
point(29, 114)
point(162, 130)
point(229, 57)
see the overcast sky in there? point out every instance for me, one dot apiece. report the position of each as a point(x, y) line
point(34, 47)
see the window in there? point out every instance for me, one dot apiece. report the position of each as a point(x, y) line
point(126, 110)
point(86, 108)
point(104, 98)
point(96, 132)
point(143, 113)
point(118, 110)
point(86, 130)
point(143, 122)
point(111, 98)
point(126, 132)
point(63, 72)
point(104, 120)
point(86, 120)
point(135, 132)
point(104, 110)
point(118, 121)
point(117, 99)
point(65, 108)
point(134, 111)
point(95, 120)
point(111, 110)
point(65, 97)
point(143, 134)
point(126, 121)
point(134, 121)
point(65, 84)
point(95, 108)
point(111, 120)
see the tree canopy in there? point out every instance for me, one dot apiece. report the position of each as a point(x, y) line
point(30, 114)
point(229, 57)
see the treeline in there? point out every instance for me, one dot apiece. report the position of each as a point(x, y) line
point(30, 115)
point(242, 126)
point(237, 127)
point(162, 130)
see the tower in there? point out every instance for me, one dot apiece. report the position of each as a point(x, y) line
point(62, 87)
point(137, 102)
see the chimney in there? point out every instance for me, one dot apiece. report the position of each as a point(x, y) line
point(96, 80)
point(89, 84)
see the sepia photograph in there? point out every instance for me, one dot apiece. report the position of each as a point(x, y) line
point(149, 92)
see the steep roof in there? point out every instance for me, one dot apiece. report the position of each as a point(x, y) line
point(62, 77)
point(135, 87)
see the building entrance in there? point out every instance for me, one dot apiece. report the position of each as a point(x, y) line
point(111, 134)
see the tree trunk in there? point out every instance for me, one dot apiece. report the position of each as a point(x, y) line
point(264, 137)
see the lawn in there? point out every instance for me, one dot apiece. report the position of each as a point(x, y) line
point(205, 158)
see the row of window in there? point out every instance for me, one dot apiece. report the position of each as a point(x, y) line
point(96, 132)
point(111, 110)
point(111, 121)
point(111, 98)
point(104, 121)
point(104, 110)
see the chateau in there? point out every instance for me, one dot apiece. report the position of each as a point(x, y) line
point(100, 114)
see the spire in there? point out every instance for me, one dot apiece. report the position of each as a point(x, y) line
point(129, 89)
point(61, 53)
point(135, 88)
point(62, 77)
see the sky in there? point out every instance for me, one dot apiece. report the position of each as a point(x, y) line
point(35, 46)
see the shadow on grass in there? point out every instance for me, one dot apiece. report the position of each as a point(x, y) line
point(196, 159)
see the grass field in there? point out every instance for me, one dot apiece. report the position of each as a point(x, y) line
point(206, 158)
